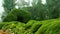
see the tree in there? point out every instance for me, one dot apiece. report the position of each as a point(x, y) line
point(8, 5)
point(22, 3)
point(40, 11)
point(53, 8)
point(34, 2)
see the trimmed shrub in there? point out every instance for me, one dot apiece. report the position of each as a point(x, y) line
point(18, 15)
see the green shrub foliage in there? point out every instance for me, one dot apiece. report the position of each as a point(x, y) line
point(35, 27)
point(18, 15)
point(32, 27)
point(49, 28)
point(30, 23)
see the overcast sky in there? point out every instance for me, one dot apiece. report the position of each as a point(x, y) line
point(1, 9)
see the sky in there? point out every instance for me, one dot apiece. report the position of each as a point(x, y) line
point(1, 7)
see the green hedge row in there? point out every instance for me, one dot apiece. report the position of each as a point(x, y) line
point(32, 27)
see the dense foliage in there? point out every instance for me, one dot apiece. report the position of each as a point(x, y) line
point(8, 5)
point(39, 11)
point(26, 19)
point(53, 7)
point(32, 27)
point(18, 15)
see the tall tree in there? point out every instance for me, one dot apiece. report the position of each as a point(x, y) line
point(40, 11)
point(34, 2)
point(22, 3)
point(8, 5)
point(54, 8)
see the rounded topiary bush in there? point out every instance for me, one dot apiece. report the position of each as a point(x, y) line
point(18, 15)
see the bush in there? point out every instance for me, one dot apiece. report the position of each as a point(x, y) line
point(17, 27)
point(50, 28)
point(30, 23)
point(18, 15)
point(33, 27)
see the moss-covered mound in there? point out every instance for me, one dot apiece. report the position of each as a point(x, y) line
point(18, 15)
point(32, 27)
